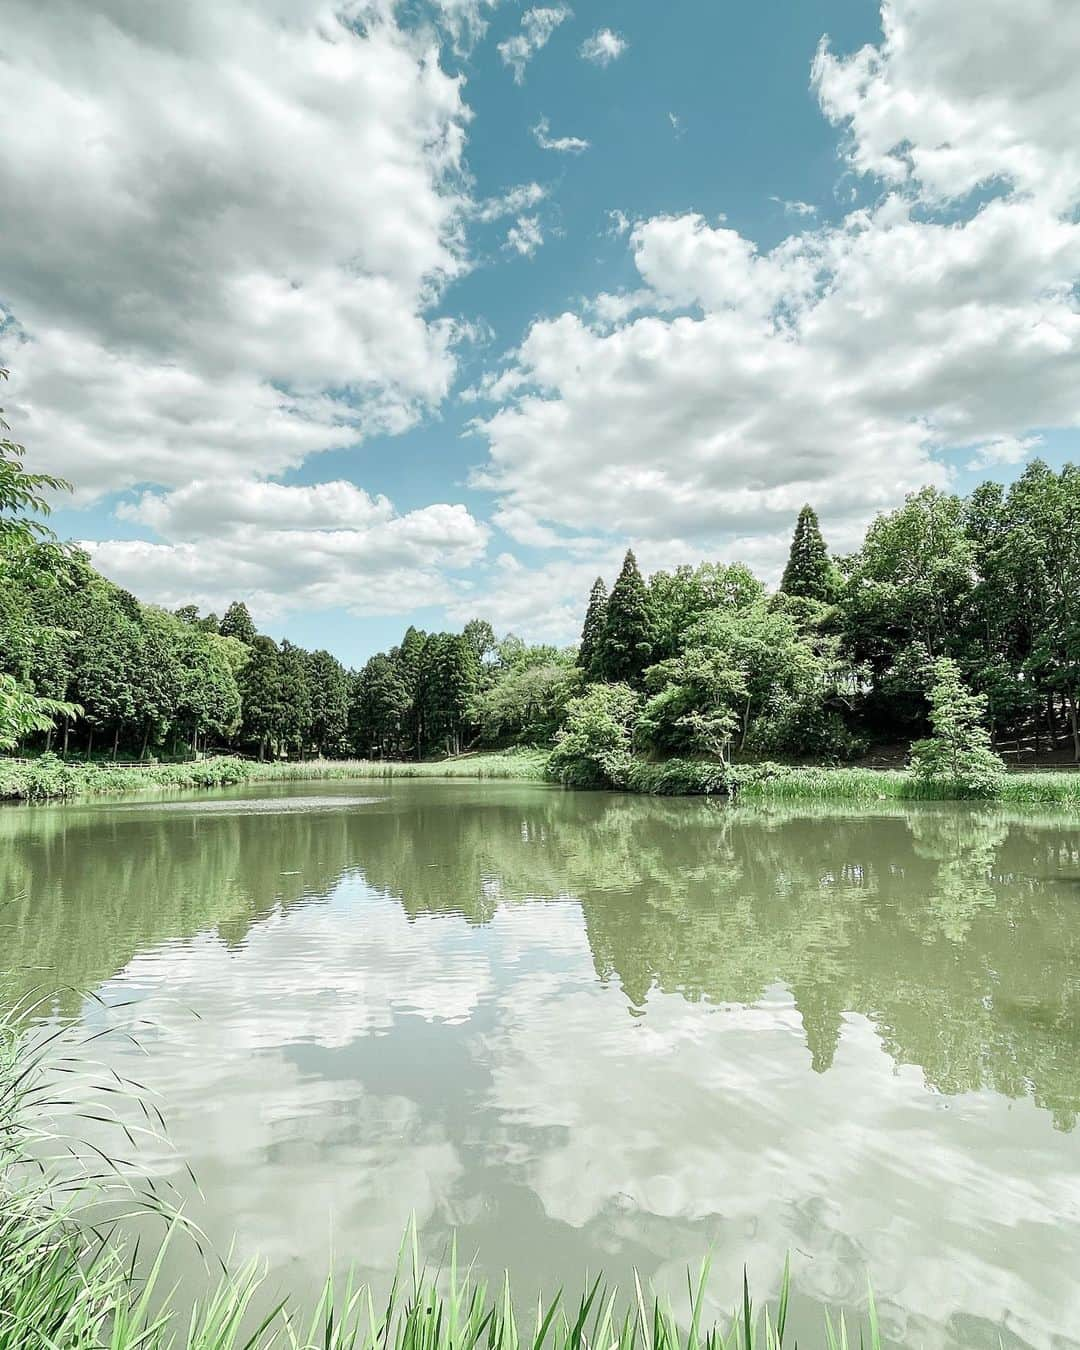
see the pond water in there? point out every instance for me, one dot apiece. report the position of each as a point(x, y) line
point(590, 1030)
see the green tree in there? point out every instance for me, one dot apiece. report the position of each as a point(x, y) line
point(628, 637)
point(594, 747)
point(959, 752)
point(328, 683)
point(593, 627)
point(380, 710)
point(22, 710)
point(238, 623)
point(677, 600)
point(809, 572)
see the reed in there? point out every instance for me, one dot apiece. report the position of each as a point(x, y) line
point(51, 779)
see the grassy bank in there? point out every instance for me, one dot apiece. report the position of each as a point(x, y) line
point(64, 1285)
point(778, 783)
point(50, 779)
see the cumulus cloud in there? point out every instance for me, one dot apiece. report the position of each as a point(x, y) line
point(958, 95)
point(223, 263)
point(537, 26)
point(567, 145)
point(284, 548)
point(737, 382)
point(603, 47)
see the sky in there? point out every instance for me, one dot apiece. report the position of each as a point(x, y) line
point(377, 313)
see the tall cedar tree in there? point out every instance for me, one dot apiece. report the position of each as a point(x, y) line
point(809, 572)
point(626, 643)
point(593, 628)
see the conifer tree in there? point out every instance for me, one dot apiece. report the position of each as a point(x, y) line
point(593, 627)
point(628, 637)
point(238, 623)
point(808, 573)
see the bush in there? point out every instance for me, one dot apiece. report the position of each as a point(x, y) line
point(594, 747)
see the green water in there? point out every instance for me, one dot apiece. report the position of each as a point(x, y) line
point(588, 1030)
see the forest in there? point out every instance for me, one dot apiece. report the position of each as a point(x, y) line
point(702, 661)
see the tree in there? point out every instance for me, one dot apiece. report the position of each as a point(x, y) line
point(238, 623)
point(329, 686)
point(958, 754)
point(677, 600)
point(627, 639)
point(296, 706)
point(21, 709)
point(481, 637)
point(593, 628)
point(263, 696)
point(809, 573)
point(593, 749)
point(380, 708)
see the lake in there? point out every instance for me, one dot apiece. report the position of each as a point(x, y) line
point(592, 1030)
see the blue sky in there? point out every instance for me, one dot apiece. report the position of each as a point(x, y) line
point(775, 272)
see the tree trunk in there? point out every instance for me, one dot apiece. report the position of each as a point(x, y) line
point(48, 740)
point(90, 743)
point(67, 733)
point(1075, 728)
point(145, 739)
point(116, 740)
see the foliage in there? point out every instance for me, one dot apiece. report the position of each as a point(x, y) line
point(834, 661)
point(809, 573)
point(593, 628)
point(593, 749)
point(627, 638)
point(238, 623)
point(959, 751)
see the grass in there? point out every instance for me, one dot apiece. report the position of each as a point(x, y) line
point(50, 778)
point(780, 783)
point(66, 1284)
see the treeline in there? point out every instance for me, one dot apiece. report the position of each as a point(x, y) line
point(953, 610)
point(129, 680)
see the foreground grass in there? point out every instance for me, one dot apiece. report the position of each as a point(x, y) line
point(51, 779)
point(66, 1285)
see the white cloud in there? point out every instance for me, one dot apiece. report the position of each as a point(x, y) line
point(676, 124)
point(960, 94)
point(1005, 450)
point(524, 236)
point(284, 548)
point(537, 26)
point(464, 20)
point(603, 47)
point(795, 208)
point(221, 263)
point(619, 223)
point(736, 383)
point(513, 201)
point(567, 145)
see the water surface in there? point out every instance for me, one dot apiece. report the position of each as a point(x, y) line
point(588, 1029)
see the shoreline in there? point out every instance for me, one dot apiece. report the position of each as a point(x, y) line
point(49, 779)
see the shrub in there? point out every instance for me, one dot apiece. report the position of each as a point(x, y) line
point(959, 752)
